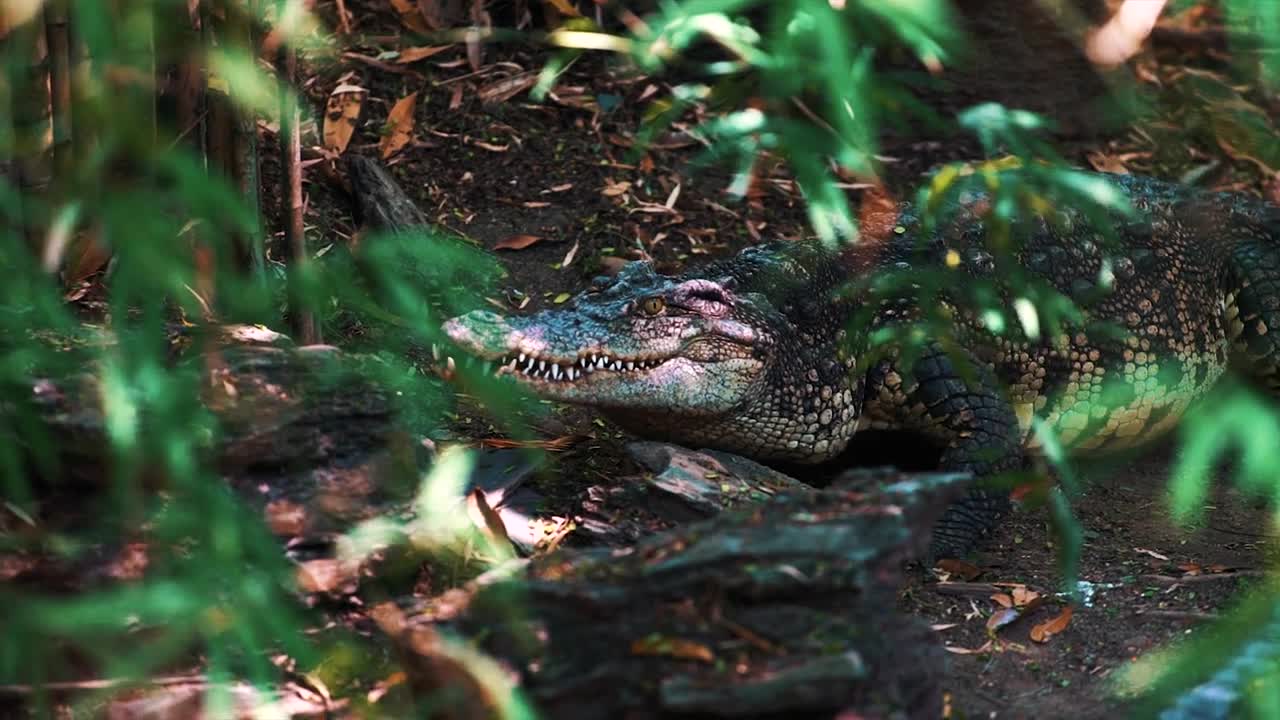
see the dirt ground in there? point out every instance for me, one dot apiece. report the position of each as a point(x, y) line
point(561, 171)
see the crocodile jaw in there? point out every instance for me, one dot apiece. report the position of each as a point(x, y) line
point(673, 375)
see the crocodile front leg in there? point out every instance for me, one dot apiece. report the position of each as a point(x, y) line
point(972, 421)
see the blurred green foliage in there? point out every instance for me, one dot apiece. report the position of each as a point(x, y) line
point(219, 585)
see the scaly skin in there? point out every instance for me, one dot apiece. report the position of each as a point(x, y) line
point(755, 354)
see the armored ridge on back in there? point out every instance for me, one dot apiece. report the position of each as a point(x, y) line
point(756, 354)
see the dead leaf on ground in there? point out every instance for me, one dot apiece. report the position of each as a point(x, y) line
point(1047, 629)
point(614, 189)
point(491, 147)
point(325, 575)
point(399, 126)
point(85, 257)
point(1022, 597)
point(959, 568)
point(564, 7)
point(517, 242)
point(341, 113)
point(1103, 162)
point(286, 518)
point(410, 16)
point(1002, 600)
point(493, 525)
point(660, 645)
point(507, 88)
point(568, 257)
point(414, 54)
point(985, 647)
point(1151, 553)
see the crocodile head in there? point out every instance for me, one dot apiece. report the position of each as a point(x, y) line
point(634, 345)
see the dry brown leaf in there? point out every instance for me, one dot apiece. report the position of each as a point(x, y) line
point(517, 242)
point(491, 147)
point(1103, 162)
point(568, 257)
point(493, 525)
point(1023, 597)
point(564, 7)
point(341, 113)
point(410, 16)
point(414, 54)
point(507, 88)
point(614, 189)
point(324, 575)
point(286, 518)
point(85, 257)
point(558, 188)
point(672, 647)
point(1002, 600)
point(535, 204)
point(399, 126)
point(1047, 629)
point(959, 568)
point(1151, 553)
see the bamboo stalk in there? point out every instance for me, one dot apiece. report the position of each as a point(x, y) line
point(31, 127)
point(57, 38)
point(232, 135)
point(304, 321)
point(12, 226)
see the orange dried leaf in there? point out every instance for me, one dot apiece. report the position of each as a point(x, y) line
point(1002, 600)
point(399, 126)
point(414, 54)
point(1047, 629)
point(554, 445)
point(613, 189)
point(341, 113)
point(564, 6)
point(410, 16)
point(959, 568)
point(517, 242)
point(85, 257)
point(1022, 596)
point(493, 525)
point(672, 647)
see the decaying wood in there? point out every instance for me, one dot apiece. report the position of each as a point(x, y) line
point(380, 202)
point(784, 609)
point(295, 422)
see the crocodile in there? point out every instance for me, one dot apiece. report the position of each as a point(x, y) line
point(769, 354)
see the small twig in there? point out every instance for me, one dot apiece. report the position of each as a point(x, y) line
point(1243, 533)
point(343, 22)
point(1178, 614)
point(1206, 577)
point(103, 684)
point(966, 589)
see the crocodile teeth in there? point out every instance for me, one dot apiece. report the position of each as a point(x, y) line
point(555, 370)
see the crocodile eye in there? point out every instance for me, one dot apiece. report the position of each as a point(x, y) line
point(652, 305)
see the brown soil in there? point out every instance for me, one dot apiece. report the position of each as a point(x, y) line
point(491, 171)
